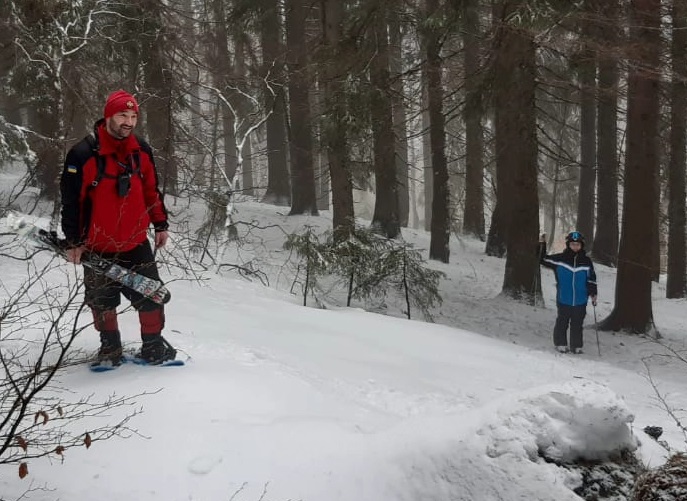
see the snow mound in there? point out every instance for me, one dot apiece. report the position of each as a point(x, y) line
point(513, 448)
point(564, 423)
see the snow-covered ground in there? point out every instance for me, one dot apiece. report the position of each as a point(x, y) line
point(282, 402)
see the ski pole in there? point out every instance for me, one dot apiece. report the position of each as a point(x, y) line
point(596, 328)
point(537, 275)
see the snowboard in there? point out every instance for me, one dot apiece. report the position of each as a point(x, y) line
point(148, 287)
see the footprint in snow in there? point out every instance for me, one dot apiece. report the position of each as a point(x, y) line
point(203, 465)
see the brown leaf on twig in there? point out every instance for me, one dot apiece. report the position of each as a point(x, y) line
point(41, 414)
point(59, 450)
point(23, 470)
point(60, 411)
point(22, 443)
point(87, 440)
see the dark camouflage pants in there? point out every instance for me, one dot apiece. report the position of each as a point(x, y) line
point(103, 293)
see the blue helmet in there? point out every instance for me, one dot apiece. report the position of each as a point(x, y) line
point(574, 236)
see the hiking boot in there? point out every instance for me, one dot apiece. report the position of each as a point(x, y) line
point(110, 348)
point(156, 350)
point(562, 349)
point(576, 351)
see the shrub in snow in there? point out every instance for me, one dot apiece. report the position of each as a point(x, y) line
point(13, 144)
point(39, 323)
point(315, 256)
point(369, 266)
point(665, 483)
point(611, 480)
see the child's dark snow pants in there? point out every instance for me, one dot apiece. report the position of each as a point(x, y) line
point(573, 315)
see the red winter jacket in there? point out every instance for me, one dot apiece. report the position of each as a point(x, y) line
point(97, 216)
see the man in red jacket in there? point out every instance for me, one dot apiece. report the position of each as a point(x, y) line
point(110, 197)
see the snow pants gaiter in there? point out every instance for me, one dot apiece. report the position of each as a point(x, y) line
point(573, 316)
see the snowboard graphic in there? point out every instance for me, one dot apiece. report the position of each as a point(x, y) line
point(148, 287)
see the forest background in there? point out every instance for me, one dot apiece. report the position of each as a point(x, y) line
point(499, 120)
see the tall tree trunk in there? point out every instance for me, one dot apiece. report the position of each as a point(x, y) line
point(496, 239)
point(414, 183)
point(656, 240)
point(606, 238)
point(278, 188)
point(158, 104)
point(676, 285)
point(229, 140)
point(441, 229)
point(321, 172)
point(53, 151)
point(317, 103)
point(560, 154)
point(196, 154)
point(223, 72)
point(214, 147)
point(245, 159)
point(427, 175)
point(473, 217)
point(587, 79)
point(303, 196)
point(516, 151)
point(633, 309)
point(385, 218)
point(558, 165)
point(335, 133)
point(399, 115)
point(247, 168)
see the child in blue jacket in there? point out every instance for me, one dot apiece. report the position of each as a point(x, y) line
point(575, 284)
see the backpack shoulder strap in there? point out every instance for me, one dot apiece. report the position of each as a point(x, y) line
point(136, 163)
point(136, 156)
point(99, 160)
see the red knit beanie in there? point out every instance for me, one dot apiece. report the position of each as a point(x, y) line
point(118, 101)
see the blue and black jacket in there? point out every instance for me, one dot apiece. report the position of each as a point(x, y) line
point(575, 275)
